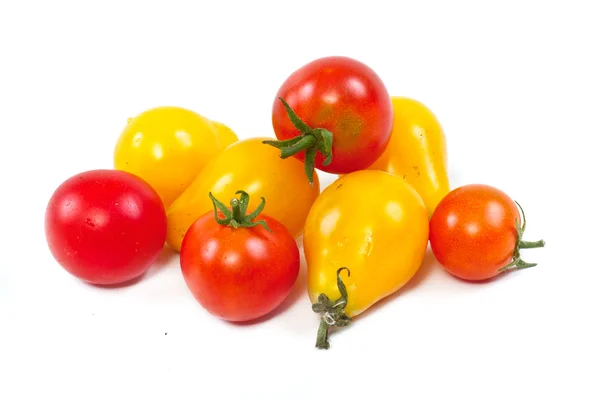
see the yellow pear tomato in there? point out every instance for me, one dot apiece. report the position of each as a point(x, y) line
point(416, 151)
point(225, 135)
point(168, 146)
point(375, 225)
point(255, 168)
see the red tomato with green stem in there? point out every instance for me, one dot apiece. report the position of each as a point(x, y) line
point(476, 233)
point(334, 114)
point(237, 267)
point(105, 226)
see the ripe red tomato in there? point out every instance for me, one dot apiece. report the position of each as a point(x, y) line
point(237, 268)
point(105, 226)
point(342, 103)
point(476, 233)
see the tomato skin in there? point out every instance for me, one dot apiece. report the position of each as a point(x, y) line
point(345, 97)
point(375, 224)
point(225, 135)
point(417, 151)
point(239, 274)
point(105, 226)
point(473, 231)
point(256, 168)
point(168, 147)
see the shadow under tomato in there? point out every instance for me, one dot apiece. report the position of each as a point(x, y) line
point(121, 285)
point(501, 275)
point(165, 257)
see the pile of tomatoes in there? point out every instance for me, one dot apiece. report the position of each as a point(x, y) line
point(234, 209)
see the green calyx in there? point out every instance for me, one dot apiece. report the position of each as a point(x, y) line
point(237, 217)
point(332, 312)
point(517, 262)
point(311, 140)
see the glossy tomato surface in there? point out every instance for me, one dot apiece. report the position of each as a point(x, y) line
point(417, 151)
point(345, 97)
point(256, 168)
point(105, 226)
point(239, 274)
point(473, 231)
point(373, 223)
point(168, 147)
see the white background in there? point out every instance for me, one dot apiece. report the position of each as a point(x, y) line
point(516, 87)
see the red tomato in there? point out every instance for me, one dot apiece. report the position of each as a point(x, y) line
point(237, 269)
point(346, 98)
point(105, 226)
point(475, 233)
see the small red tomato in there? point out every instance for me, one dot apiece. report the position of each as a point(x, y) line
point(335, 114)
point(476, 233)
point(105, 226)
point(237, 268)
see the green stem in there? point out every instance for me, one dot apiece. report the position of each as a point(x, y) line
point(311, 140)
point(236, 213)
point(518, 263)
point(531, 245)
point(333, 313)
point(522, 265)
point(323, 335)
point(305, 143)
point(236, 217)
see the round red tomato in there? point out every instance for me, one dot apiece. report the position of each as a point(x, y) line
point(105, 226)
point(342, 96)
point(238, 268)
point(475, 233)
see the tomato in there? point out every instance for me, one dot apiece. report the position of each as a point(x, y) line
point(374, 224)
point(417, 151)
point(250, 166)
point(237, 267)
point(476, 233)
point(225, 135)
point(105, 226)
point(345, 115)
point(168, 146)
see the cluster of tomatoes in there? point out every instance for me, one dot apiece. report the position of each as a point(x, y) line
point(234, 208)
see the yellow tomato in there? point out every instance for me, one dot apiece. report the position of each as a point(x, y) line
point(224, 134)
point(256, 168)
point(374, 224)
point(168, 146)
point(417, 151)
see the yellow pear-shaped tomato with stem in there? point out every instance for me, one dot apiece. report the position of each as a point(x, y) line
point(417, 151)
point(168, 146)
point(255, 168)
point(364, 238)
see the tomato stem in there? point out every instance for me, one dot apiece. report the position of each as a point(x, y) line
point(236, 210)
point(304, 143)
point(522, 265)
point(310, 140)
point(517, 263)
point(323, 335)
point(237, 216)
point(333, 313)
point(531, 245)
